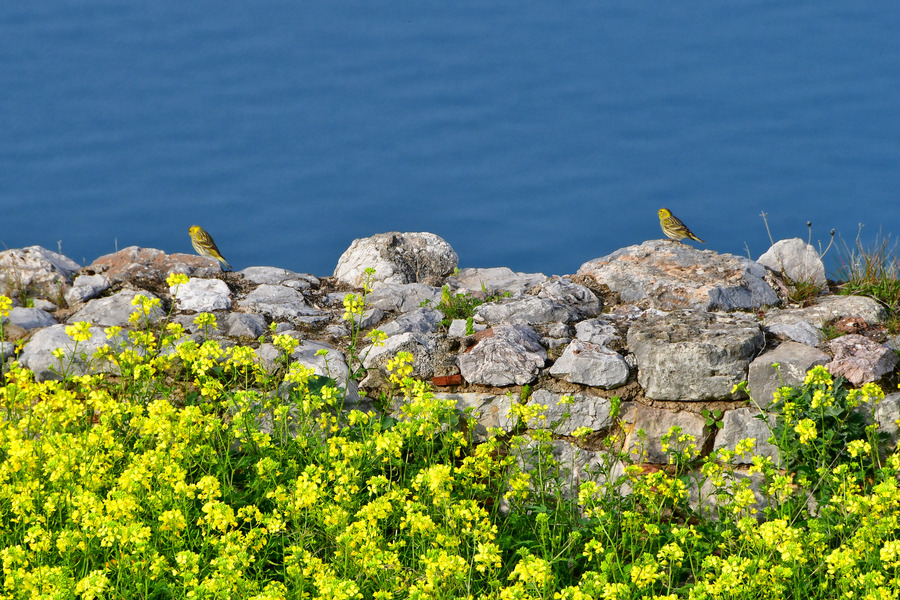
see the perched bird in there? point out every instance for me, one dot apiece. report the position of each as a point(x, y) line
point(673, 227)
point(205, 246)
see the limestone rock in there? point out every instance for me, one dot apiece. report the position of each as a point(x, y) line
point(887, 414)
point(276, 276)
point(404, 298)
point(589, 364)
point(243, 325)
point(527, 310)
point(802, 332)
point(397, 258)
point(655, 423)
point(29, 318)
point(570, 467)
point(744, 423)
point(7, 349)
point(202, 295)
point(796, 260)
point(693, 355)
point(37, 353)
point(281, 303)
point(422, 320)
point(794, 361)
point(134, 264)
point(495, 281)
point(490, 410)
point(597, 331)
point(859, 359)
point(830, 308)
point(419, 345)
point(669, 276)
point(86, 287)
point(586, 411)
point(511, 356)
point(458, 328)
point(35, 270)
point(583, 300)
point(115, 309)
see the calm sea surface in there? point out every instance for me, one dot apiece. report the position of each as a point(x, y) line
point(534, 135)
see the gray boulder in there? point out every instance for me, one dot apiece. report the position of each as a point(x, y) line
point(743, 423)
point(115, 310)
point(588, 411)
point(830, 308)
point(887, 414)
point(578, 297)
point(138, 265)
point(596, 331)
point(669, 276)
point(526, 310)
point(86, 287)
point(495, 281)
point(376, 357)
point(281, 303)
point(421, 320)
point(276, 276)
point(647, 425)
point(403, 297)
point(513, 355)
point(491, 411)
point(802, 332)
point(693, 355)
point(29, 318)
point(243, 325)
point(77, 359)
point(35, 270)
point(796, 260)
point(794, 361)
point(397, 258)
point(860, 360)
point(202, 295)
point(589, 364)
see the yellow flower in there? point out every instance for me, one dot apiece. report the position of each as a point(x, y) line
point(205, 246)
point(5, 306)
point(674, 228)
point(80, 331)
point(806, 428)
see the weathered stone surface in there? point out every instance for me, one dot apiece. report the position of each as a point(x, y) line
point(589, 364)
point(527, 310)
point(86, 287)
point(369, 318)
point(281, 303)
point(887, 414)
point(43, 304)
point(655, 423)
point(276, 276)
point(859, 359)
point(670, 276)
point(397, 258)
point(458, 328)
point(794, 361)
point(37, 353)
point(243, 325)
point(7, 349)
point(571, 466)
point(202, 295)
point(490, 410)
point(583, 300)
point(830, 308)
point(29, 318)
point(796, 260)
point(694, 355)
point(585, 411)
point(802, 332)
point(134, 264)
point(597, 331)
point(421, 320)
point(419, 345)
point(404, 298)
point(512, 356)
point(35, 269)
point(114, 310)
point(495, 281)
point(744, 423)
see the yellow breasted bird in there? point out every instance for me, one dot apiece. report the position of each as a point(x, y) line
point(205, 246)
point(674, 228)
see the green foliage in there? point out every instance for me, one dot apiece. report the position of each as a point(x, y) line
point(713, 418)
point(872, 271)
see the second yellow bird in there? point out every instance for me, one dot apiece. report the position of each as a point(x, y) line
point(674, 228)
point(205, 246)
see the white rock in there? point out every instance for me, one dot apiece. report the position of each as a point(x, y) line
point(202, 295)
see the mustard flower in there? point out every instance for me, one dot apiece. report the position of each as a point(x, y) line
point(5, 306)
point(80, 331)
point(858, 447)
point(806, 429)
point(176, 279)
point(285, 342)
point(818, 375)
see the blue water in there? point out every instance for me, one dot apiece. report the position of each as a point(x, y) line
point(534, 135)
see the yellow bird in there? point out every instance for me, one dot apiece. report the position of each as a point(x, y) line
point(205, 246)
point(674, 228)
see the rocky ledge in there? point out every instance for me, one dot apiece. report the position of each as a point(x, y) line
point(668, 329)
